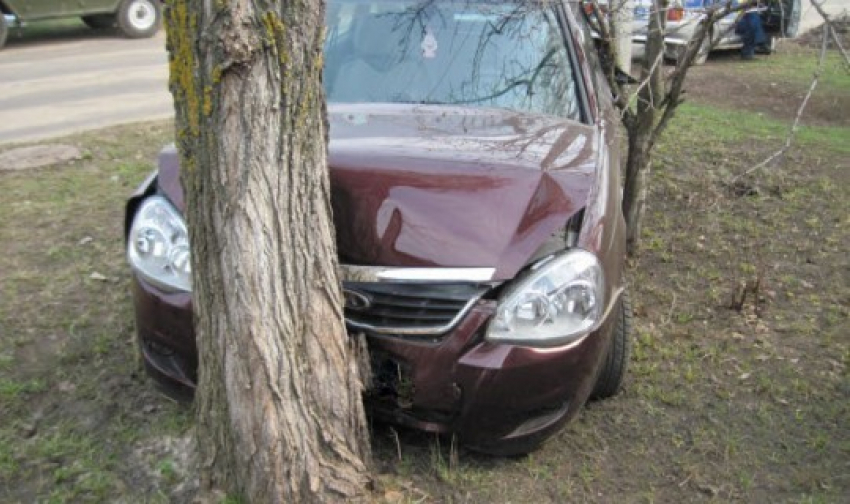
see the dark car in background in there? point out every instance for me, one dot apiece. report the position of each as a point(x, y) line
point(135, 18)
point(475, 177)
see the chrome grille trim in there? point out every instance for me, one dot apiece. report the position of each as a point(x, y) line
point(424, 275)
point(411, 309)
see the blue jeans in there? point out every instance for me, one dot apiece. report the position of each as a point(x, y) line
point(752, 33)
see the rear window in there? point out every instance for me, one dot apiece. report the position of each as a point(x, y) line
point(488, 54)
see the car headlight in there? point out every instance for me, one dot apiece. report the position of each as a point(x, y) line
point(158, 245)
point(558, 301)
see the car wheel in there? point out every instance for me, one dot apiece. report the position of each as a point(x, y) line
point(610, 379)
point(99, 21)
point(139, 18)
point(4, 30)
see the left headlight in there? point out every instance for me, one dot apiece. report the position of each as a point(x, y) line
point(557, 302)
point(158, 245)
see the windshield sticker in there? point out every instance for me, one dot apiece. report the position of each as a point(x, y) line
point(429, 44)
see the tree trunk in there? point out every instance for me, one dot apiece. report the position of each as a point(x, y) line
point(279, 410)
point(635, 187)
point(640, 128)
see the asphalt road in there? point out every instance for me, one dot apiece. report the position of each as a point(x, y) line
point(54, 87)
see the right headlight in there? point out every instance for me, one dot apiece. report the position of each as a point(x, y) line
point(158, 245)
point(557, 302)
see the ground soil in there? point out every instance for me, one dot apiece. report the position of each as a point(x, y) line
point(764, 92)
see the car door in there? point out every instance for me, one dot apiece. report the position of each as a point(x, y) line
point(782, 18)
point(85, 7)
point(28, 10)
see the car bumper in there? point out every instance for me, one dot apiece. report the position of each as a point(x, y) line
point(681, 33)
point(496, 398)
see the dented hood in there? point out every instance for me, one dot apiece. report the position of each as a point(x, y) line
point(434, 186)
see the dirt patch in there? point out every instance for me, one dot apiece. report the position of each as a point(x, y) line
point(765, 86)
point(37, 156)
point(814, 37)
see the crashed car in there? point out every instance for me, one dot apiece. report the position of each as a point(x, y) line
point(476, 197)
point(781, 18)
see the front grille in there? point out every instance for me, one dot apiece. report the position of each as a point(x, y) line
point(408, 308)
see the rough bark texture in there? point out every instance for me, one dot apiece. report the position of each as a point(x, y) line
point(641, 128)
point(279, 410)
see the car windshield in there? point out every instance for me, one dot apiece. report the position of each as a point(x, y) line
point(481, 54)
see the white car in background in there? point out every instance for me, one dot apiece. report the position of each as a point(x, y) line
point(781, 18)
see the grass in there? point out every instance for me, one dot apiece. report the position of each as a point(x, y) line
point(720, 405)
point(718, 126)
point(798, 66)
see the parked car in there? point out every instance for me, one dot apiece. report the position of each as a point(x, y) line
point(475, 177)
point(781, 18)
point(135, 18)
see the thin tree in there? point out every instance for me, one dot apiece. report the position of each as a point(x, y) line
point(279, 410)
point(648, 105)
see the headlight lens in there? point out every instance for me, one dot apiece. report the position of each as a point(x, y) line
point(556, 303)
point(158, 245)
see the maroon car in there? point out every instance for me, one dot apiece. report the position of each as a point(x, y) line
point(476, 196)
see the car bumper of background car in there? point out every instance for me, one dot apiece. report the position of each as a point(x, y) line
point(681, 33)
point(496, 398)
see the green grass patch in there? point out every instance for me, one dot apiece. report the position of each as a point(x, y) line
point(707, 126)
point(799, 67)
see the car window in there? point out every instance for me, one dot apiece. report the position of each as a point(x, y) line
point(505, 55)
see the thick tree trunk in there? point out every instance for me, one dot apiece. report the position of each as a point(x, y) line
point(280, 417)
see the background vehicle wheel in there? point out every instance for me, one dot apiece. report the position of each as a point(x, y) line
point(4, 30)
point(139, 18)
point(99, 21)
point(610, 379)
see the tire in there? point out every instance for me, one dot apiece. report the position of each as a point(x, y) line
point(611, 377)
point(99, 21)
point(4, 30)
point(139, 18)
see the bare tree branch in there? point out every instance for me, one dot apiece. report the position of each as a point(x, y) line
point(830, 28)
point(795, 125)
point(840, 47)
point(677, 78)
point(658, 60)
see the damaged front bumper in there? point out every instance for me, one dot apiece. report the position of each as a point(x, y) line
point(496, 398)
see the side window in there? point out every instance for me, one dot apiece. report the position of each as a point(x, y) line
point(338, 21)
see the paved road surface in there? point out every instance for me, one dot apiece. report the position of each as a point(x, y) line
point(52, 88)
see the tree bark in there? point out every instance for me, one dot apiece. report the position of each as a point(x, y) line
point(279, 409)
point(640, 128)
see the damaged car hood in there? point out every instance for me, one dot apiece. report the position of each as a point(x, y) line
point(434, 186)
